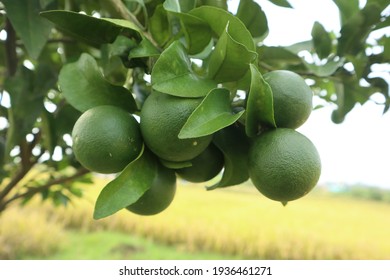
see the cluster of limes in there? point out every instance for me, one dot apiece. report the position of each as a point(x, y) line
point(283, 164)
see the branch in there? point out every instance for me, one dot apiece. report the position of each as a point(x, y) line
point(117, 8)
point(25, 154)
point(80, 172)
point(301, 73)
point(10, 49)
point(17, 178)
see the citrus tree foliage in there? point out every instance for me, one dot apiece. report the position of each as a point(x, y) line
point(59, 58)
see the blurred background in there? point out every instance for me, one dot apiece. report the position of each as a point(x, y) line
point(347, 216)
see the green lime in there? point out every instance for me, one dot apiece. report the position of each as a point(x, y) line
point(106, 139)
point(204, 167)
point(162, 117)
point(284, 164)
point(292, 97)
point(159, 196)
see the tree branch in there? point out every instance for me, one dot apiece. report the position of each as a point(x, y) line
point(16, 179)
point(10, 49)
point(25, 154)
point(79, 173)
point(117, 8)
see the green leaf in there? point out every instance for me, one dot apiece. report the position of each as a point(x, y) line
point(128, 187)
point(27, 90)
point(212, 114)
point(281, 3)
point(351, 35)
point(65, 118)
point(230, 60)
point(386, 48)
point(381, 85)
point(120, 47)
point(179, 6)
point(356, 29)
point(31, 28)
point(59, 198)
point(47, 3)
point(205, 54)
point(254, 18)
point(347, 9)
point(325, 70)
point(126, 25)
point(84, 87)
point(218, 19)
point(114, 59)
point(234, 145)
point(278, 56)
point(260, 107)
point(48, 130)
point(144, 49)
point(175, 164)
point(360, 63)
point(300, 46)
point(383, 24)
point(159, 25)
point(135, 6)
point(196, 31)
point(348, 94)
point(321, 40)
point(222, 4)
point(95, 31)
point(383, 4)
point(172, 74)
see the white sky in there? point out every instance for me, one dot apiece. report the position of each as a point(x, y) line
point(358, 150)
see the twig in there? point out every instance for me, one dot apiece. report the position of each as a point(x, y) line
point(10, 49)
point(80, 172)
point(25, 154)
point(119, 9)
point(14, 181)
point(17, 178)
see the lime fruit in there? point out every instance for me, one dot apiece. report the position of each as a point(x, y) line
point(106, 138)
point(204, 167)
point(159, 196)
point(162, 117)
point(292, 97)
point(284, 165)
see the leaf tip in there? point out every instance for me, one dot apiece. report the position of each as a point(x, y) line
point(97, 215)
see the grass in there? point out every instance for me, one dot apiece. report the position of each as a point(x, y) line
point(24, 232)
point(108, 245)
point(240, 222)
point(234, 222)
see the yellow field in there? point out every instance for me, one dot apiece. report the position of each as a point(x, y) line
point(246, 224)
point(239, 221)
